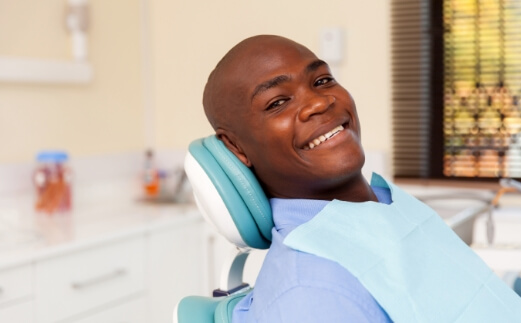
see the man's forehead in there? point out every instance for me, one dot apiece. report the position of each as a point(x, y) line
point(271, 49)
point(256, 63)
point(245, 67)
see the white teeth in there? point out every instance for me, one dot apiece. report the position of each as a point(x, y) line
point(324, 137)
point(329, 134)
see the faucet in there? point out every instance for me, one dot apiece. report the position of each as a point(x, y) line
point(510, 183)
point(507, 185)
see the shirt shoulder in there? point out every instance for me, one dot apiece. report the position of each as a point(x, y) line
point(297, 287)
point(310, 304)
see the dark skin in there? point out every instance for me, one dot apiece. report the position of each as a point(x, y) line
point(268, 99)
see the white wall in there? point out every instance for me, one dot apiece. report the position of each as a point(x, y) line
point(104, 116)
point(189, 37)
point(155, 56)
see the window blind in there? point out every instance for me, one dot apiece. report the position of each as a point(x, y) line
point(456, 70)
point(411, 93)
point(482, 87)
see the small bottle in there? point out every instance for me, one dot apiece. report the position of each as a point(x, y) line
point(52, 182)
point(151, 178)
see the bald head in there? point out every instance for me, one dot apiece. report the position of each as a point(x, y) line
point(279, 110)
point(226, 91)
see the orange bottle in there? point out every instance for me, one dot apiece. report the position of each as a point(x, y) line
point(52, 181)
point(150, 176)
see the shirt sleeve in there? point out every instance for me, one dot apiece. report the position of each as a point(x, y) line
point(305, 304)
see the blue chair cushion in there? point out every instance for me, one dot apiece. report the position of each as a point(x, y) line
point(199, 309)
point(238, 188)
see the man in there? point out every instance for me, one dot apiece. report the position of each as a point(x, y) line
point(277, 107)
point(342, 250)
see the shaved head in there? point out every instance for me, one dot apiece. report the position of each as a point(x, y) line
point(225, 93)
point(280, 111)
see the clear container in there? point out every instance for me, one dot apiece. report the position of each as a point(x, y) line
point(151, 176)
point(52, 180)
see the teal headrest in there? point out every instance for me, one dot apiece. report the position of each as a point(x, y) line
point(220, 179)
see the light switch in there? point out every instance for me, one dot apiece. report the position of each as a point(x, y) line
point(331, 45)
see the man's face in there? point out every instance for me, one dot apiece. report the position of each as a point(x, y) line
point(296, 125)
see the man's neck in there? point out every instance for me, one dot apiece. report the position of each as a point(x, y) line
point(358, 190)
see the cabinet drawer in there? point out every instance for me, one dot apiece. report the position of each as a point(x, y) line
point(15, 283)
point(72, 284)
point(129, 312)
point(17, 313)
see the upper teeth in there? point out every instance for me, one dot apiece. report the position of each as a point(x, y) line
point(320, 139)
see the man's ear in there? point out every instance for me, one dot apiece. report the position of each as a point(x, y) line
point(230, 143)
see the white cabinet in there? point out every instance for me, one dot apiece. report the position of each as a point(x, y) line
point(136, 275)
point(16, 295)
point(174, 268)
point(17, 313)
point(15, 284)
point(129, 312)
point(83, 281)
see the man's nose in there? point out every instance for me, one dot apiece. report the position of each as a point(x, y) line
point(315, 104)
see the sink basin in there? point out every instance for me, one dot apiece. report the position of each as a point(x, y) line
point(467, 212)
point(507, 228)
point(459, 211)
point(503, 255)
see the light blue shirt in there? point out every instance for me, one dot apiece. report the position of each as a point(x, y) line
point(293, 286)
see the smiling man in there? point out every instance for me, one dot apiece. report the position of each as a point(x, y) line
point(277, 107)
point(342, 250)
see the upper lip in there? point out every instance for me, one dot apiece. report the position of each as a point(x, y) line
point(321, 130)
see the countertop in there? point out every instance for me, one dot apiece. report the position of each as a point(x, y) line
point(26, 237)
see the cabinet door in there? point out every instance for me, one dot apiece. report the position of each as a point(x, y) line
point(174, 268)
point(17, 313)
point(129, 312)
point(15, 284)
point(87, 280)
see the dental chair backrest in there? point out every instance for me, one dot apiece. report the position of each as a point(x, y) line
point(229, 196)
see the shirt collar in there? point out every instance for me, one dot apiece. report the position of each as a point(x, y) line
point(290, 213)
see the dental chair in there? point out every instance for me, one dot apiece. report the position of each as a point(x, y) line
point(232, 200)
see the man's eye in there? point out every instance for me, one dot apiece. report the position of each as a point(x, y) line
point(276, 104)
point(324, 80)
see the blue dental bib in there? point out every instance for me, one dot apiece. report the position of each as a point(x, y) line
point(412, 263)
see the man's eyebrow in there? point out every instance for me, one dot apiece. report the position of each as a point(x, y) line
point(313, 66)
point(264, 86)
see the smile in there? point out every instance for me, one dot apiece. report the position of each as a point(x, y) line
point(322, 138)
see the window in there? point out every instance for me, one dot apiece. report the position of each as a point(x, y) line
point(456, 88)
